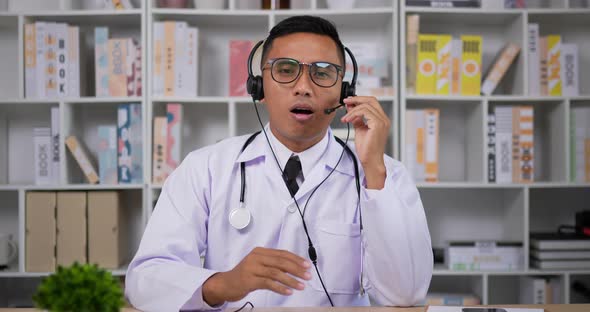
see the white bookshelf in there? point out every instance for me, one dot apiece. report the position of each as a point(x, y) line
point(463, 205)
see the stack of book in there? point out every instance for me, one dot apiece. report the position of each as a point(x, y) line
point(52, 60)
point(553, 67)
point(553, 251)
point(176, 47)
point(484, 256)
point(117, 65)
point(46, 151)
point(511, 144)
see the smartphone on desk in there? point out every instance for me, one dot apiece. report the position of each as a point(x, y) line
point(483, 309)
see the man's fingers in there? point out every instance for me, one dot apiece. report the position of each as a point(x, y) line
point(286, 265)
point(274, 286)
point(280, 276)
point(283, 254)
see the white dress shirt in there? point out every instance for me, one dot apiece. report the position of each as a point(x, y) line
point(190, 220)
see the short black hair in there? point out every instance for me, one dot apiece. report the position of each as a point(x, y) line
point(303, 24)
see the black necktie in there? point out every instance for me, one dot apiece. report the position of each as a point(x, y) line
point(292, 170)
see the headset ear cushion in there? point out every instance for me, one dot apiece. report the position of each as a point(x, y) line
point(254, 87)
point(259, 88)
point(344, 91)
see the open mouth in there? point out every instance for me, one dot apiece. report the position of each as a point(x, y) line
point(302, 111)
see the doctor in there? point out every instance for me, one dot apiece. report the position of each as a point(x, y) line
point(289, 236)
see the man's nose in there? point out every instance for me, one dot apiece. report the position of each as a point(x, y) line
point(303, 83)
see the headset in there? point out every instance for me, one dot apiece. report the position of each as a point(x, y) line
point(256, 90)
point(240, 217)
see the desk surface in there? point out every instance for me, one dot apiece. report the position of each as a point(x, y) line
point(548, 308)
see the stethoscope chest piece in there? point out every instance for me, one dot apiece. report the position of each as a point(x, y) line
point(240, 217)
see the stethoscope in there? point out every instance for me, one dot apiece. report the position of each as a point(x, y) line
point(241, 217)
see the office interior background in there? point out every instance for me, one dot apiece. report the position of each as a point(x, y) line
point(489, 102)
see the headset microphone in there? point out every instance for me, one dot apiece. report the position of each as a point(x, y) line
point(328, 111)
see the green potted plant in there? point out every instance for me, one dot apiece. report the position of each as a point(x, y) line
point(79, 288)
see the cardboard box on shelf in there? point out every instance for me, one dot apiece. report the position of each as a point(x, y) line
point(71, 228)
point(107, 237)
point(40, 231)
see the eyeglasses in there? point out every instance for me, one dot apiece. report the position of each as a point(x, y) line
point(286, 70)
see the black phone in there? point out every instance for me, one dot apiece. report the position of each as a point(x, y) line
point(483, 309)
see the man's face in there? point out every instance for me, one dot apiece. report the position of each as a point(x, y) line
point(296, 109)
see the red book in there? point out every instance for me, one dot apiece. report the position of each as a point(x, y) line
point(238, 66)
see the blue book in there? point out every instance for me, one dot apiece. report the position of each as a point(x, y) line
point(107, 154)
point(130, 137)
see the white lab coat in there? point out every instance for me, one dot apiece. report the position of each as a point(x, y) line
point(191, 220)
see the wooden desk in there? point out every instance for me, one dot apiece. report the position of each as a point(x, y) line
point(548, 308)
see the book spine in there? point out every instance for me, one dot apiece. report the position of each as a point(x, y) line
point(411, 143)
point(456, 51)
point(41, 49)
point(180, 50)
point(573, 145)
point(491, 148)
point(158, 61)
point(238, 73)
point(426, 74)
point(169, 57)
point(55, 134)
point(570, 70)
point(420, 124)
point(73, 56)
point(190, 69)
point(544, 74)
point(499, 69)
point(81, 157)
point(159, 152)
point(101, 61)
point(130, 67)
point(51, 61)
point(174, 136)
point(107, 154)
point(30, 62)
point(515, 144)
point(123, 143)
point(503, 144)
point(412, 31)
point(42, 141)
point(471, 65)
point(431, 148)
point(137, 84)
point(136, 139)
point(526, 141)
point(117, 51)
point(443, 64)
point(62, 59)
point(534, 75)
point(554, 65)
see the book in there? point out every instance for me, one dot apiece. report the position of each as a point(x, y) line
point(427, 59)
point(129, 138)
point(137, 84)
point(503, 144)
point(498, 70)
point(554, 65)
point(491, 147)
point(31, 76)
point(443, 64)
point(61, 35)
point(544, 76)
point(118, 54)
point(159, 171)
point(532, 290)
point(534, 75)
point(412, 32)
point(180, 58)
point(456, 53)
point(560, 264)
point(239, 50)
point(55, 146)
point(560, 254)
point(174, 114)
point(158, 60)
point(437, 298)
point(81, 156)
point(525, 162)
point(569, 70)
point(169, 58)
point(40, 33)
point(76, 63)
point(471, 65)
point(422, 136)
point(580, 144)
point(43, 164)
point(51, 60)
point(191, 67)
point(555, 241)
point(101, 61)
point(484, 255)
point(107, 154)
point(445, 3)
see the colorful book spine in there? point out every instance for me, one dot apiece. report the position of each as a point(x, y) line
point(129, 137)
point(238, 73)
point(427, 58)
point(81, 157)
point(42, 143)
point(471, 65)
point(160, 173)
point(444, 65)
point(41, 49)
point(507, 57)
point(137, 84)
point(412, 31)
point(526, 144)
point(61, 36)
point(174, 114)
point(534, 75)
point(101, 61)
point(51, 61)
point(491, 147)
point(74, 59)
point(118, 50)
point(55, 146)
point(570, 70)
point(169, 57)
point(107, 154)
point(456, 55)
point(431, 146)
point(130, 67)
point(30, 62)
point(158, 61)
point(554, 65)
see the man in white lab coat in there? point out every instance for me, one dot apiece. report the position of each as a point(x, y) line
point(286, 229)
